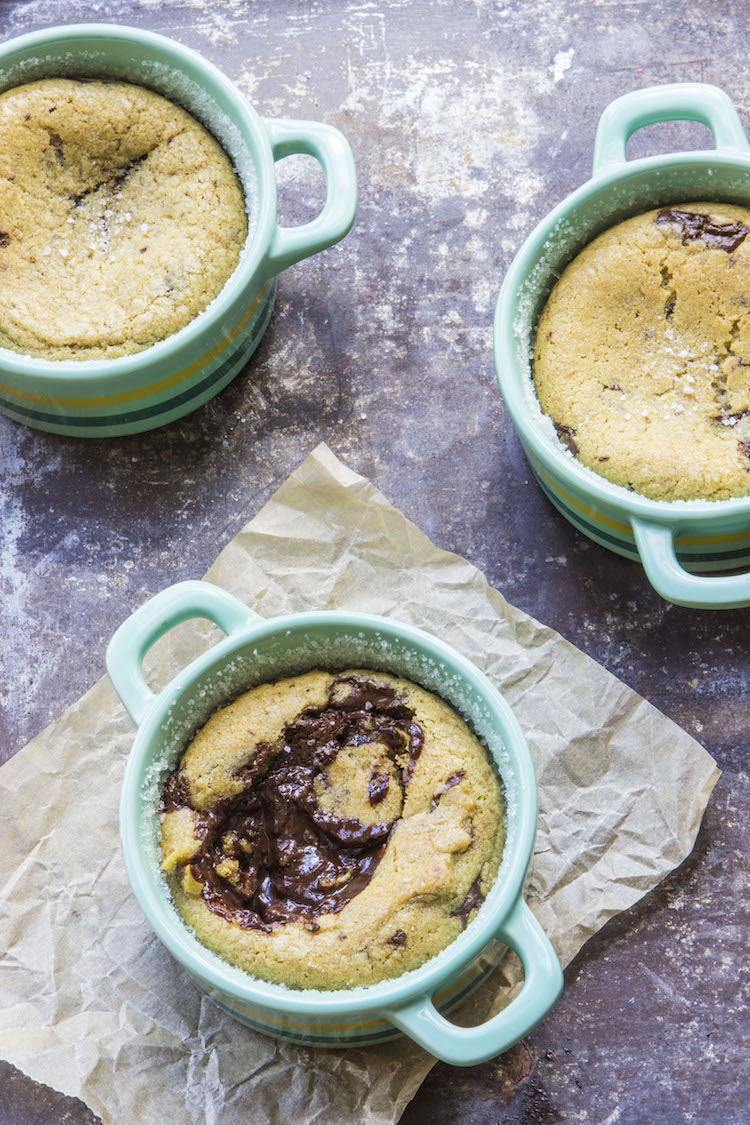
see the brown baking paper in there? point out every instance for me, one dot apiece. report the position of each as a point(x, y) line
point(90, 1002)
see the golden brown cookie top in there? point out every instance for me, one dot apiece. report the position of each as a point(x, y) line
point(642, 354)
point(121, 220)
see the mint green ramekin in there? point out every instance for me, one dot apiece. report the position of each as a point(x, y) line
point(255, 651)
point(102, 398)
point(677, 542)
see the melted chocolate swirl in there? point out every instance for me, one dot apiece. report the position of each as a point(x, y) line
point(271, 854)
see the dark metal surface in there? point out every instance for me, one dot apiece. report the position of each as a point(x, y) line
point(468, 121)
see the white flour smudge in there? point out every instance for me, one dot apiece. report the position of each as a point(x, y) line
point(561, 62)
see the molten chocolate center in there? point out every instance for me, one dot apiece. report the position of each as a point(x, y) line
point(271, 854)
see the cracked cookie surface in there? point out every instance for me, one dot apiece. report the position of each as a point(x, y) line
point(328, 831)
point(121, 218)
point(642, 353)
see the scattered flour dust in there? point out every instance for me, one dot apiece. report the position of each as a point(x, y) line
point(216, 22)
point(20, 611)
point(469, 134)
point(457, 116)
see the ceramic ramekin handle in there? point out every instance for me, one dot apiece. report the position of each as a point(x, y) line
point(697, 591)
point(683, 101)
point(332, 151)
point(466, 1046)
point(152, 620)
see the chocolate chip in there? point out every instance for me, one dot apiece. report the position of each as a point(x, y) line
point(176, 792)
point(567, 434)
point(4, 239)
point(454, 779)
point(474, 898)
point(56, 144)
point(694, 225)
point(729, 419)
point(399, 938)
point(377, 790)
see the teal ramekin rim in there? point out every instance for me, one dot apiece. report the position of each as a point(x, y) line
point(252, 132)
point(515, 389)
point(185, 947)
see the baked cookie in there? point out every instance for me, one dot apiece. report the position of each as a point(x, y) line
point(121, 219)
point(328, 831)
point(642, 353)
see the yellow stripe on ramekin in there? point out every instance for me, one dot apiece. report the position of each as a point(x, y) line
point(605, 521)
point(706, 540)
point(153, 388)
point(622, 528)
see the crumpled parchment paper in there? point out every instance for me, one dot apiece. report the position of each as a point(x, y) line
point(91, 1004)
